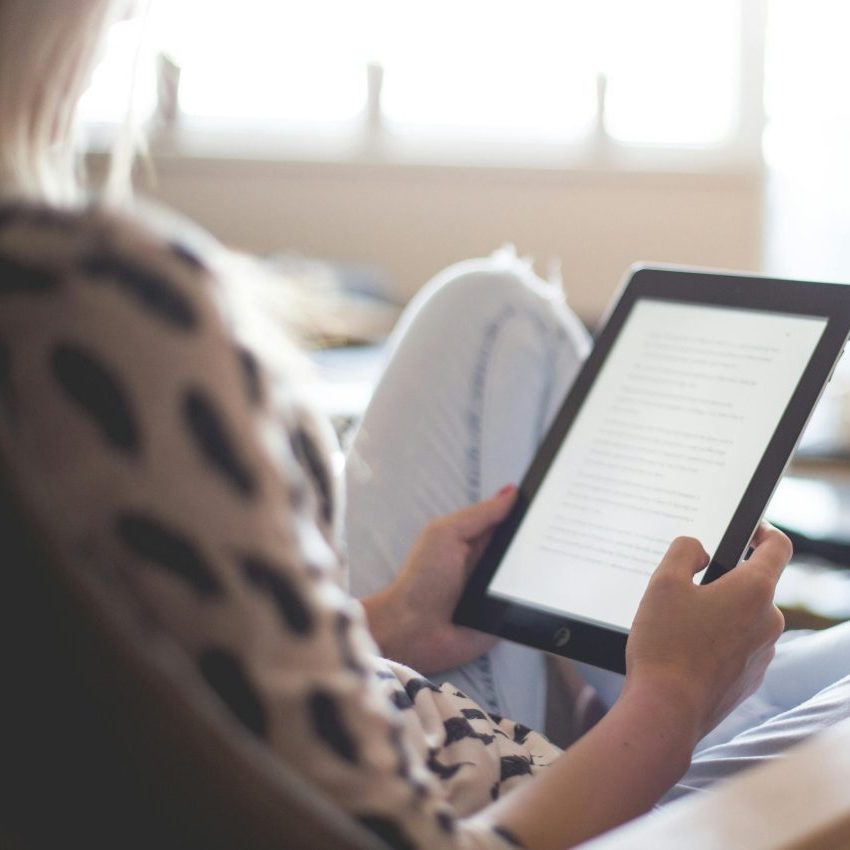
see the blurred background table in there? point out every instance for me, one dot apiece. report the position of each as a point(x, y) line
point(812, 505)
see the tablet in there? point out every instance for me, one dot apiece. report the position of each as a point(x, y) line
point(680, 422)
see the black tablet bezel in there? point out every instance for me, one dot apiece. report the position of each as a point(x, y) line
point(596, 644)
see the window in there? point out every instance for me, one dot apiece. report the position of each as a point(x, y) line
point(808, 67)
point(659, 72)
point(674, 71)
point(807, 139)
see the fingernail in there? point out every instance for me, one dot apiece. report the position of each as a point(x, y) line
point(508, 488)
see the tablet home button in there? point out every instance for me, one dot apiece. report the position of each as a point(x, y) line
point(562, 636)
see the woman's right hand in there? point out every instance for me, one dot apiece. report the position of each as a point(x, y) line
point(709, 644)
point(695, 652)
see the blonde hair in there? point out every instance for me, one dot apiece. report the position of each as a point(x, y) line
point(48, 49)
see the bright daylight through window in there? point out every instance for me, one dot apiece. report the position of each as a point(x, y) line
point(661, 72)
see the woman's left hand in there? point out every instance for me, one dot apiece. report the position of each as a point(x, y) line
point(411, 619)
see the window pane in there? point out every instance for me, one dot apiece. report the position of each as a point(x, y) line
point(522, 67)
point(673, 70)
point(808, 66)
point(517, 68)
point(270, 61)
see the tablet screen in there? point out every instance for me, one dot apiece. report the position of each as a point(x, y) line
point(665, 444)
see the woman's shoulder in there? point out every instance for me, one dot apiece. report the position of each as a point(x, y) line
point(122, 287)
point(42, 246)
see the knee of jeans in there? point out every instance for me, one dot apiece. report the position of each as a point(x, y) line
point(495, 282)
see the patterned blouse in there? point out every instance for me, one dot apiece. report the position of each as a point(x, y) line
point(150, 443)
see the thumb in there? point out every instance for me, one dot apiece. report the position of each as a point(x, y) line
point(685, 557)
point(473, 521)
point(771, 551)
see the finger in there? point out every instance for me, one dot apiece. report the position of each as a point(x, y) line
point(759, 533)
point(771, 551)
point(684, 557)
point(472, 521)
point(476, 550)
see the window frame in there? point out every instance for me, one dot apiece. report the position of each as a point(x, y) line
point(367, 140)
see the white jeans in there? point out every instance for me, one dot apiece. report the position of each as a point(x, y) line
point(477, 368)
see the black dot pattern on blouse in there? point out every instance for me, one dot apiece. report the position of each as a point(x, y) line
point(414, 686)
point(342, 630)
point(207, 428)
point(512, 766)
point(270, 631)
point(251, 375)
point(149, 290)
point(443, 771)
point(19, 279)
point(225, 675)
point(186, 256)
point(276, 585)
point(329, 726)
point(307, 453)
point(458, 728)
point(165, 548)
point(99, 393)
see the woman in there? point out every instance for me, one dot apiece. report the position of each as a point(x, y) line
point(147, 439)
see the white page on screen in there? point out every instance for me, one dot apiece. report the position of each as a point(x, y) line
point(666, 443)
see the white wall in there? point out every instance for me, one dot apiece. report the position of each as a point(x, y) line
point(413, 220)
